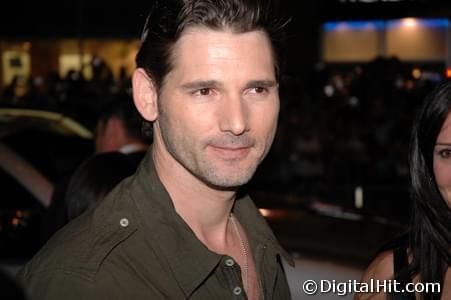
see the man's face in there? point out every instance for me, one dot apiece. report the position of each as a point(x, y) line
point(218, 106)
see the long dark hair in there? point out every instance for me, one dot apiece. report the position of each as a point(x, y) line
point(429, 237)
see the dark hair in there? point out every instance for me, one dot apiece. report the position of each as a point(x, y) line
point(430, 236)
point(168, 19)
point(94, 178)
point(9, 288)
point(123, 108)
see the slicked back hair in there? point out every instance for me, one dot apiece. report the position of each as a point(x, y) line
point(168, 19)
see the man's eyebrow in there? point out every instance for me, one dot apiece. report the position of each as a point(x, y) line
point(443, 144)
point(261, 83)
point(201, 84)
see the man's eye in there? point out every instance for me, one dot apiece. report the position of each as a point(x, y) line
point(445, 153)
point(259, 90)
point(203, 92)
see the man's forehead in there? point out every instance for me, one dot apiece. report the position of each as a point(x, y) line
point(221, 43)
point(246, 56)
point(203, 37)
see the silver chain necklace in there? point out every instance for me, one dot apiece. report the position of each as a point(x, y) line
point(244, 252)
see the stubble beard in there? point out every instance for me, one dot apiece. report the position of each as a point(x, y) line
point(218, 174)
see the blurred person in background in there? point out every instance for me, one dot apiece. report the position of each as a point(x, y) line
point(95, 178)
point(119, 129)
point(207, 81)
point(425, 255)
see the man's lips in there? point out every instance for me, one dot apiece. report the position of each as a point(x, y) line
point(231, 151)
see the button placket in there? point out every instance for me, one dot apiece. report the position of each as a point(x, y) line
point(124, 222)
point(229, 262)
point(231, 271)
point(237, 290)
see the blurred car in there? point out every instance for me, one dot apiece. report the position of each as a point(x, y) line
point(37, 150)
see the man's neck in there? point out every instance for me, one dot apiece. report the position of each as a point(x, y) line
point(205, 209)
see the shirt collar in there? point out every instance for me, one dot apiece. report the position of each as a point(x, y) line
point(190, 261)
point(256, 227)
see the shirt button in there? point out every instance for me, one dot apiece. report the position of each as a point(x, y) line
point(124, 222)
point(229, 262)
point(237, 290)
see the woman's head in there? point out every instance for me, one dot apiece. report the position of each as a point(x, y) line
point(430, 152)
point(430, 175)
point(442, 160)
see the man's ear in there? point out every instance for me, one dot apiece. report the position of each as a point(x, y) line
point(145, 95)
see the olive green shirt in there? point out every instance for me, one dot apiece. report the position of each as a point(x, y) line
point(134, 245)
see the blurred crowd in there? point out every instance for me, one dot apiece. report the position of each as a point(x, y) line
point(353, 125)
point(75, 94)
point(346, 125)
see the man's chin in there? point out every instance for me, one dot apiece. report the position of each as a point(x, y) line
point(227, 182)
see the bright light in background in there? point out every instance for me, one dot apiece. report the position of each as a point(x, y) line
point(277, 213)
point(265, 212)
point(329, 90)
point(15, 222)
point(342, 26)
point(380, 24)
point(416, 73)
point(353, 25)
point(409, 22)
point(448, 72)
point(416, 22)
point(358, 197)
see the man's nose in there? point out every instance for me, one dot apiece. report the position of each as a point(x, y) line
point(234, 116)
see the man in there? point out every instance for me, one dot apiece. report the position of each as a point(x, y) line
point(207, 81)
point(119, 128)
